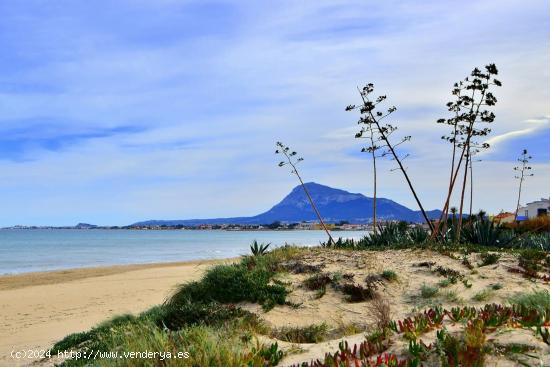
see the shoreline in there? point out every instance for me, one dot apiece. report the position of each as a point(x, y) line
point(40, 308)
point(36, 278)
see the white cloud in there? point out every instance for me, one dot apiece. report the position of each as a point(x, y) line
point(212, 104)
point(535, 125)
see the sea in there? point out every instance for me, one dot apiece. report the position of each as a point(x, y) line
point(32, 250)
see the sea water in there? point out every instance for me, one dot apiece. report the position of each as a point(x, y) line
point(29, 250)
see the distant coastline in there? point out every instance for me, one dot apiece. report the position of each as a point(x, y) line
point(304, 226)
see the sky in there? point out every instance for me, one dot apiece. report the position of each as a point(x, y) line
point(112, 112)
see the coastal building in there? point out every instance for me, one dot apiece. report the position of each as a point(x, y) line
point(305, 225)
point(535, 209)
point(504, 217)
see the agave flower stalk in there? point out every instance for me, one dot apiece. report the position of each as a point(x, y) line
point(292, 160)
point(373, 119)
point(523, 168)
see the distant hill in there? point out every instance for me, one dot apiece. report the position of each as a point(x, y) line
point(85, 226)
point(335, 205)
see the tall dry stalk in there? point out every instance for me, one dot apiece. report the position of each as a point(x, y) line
point(368, 132)
point(292, 160)
point(373, 118)
point(472, 94)
point(522, 169)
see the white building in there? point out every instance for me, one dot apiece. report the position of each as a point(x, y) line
point(535, 209)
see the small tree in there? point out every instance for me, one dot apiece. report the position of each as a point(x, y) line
point(292, 160)
point(372, 118)
point(523, 170)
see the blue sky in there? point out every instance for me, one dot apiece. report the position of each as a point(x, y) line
point(117, 111)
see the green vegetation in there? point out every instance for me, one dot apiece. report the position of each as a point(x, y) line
point(533, 260)
point(199, 318)
point(477, 235)
point(206, 346)
point(483, 296)
point(389, 275)
point(466, 347)
point(452, 296)
point(537, 300)
point(247, 281)
point(489, 258)
point(307, 334)
point(427, 291)
point(259, 249)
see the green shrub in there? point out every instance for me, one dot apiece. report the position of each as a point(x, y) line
point(427, 291)
point(489, 259)
point(389, 275)
point(76, 340)
point(537, 300)
point(232, 284)
point(532, 260)
point(483, 296)
point(452, 296)
point(211, 314)
point(271, 355)
point(308, 334)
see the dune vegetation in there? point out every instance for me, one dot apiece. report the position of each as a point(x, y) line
point(436, 305)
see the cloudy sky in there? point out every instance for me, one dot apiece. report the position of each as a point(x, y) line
point(117, 111)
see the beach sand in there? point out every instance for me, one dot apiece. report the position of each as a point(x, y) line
point(38, 309)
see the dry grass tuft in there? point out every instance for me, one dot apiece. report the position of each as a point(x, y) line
point(379, 309)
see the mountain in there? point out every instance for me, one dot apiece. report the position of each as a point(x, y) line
point(335, 205)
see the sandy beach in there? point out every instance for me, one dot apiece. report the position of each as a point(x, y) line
point(38, 309)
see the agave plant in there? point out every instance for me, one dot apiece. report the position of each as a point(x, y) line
point(259, 249)
point(418, 235)
point(536, 241)
point(388, 235)
point(485, 233)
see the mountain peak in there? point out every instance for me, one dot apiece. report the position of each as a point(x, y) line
point(321, 194)
point(335, 205)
